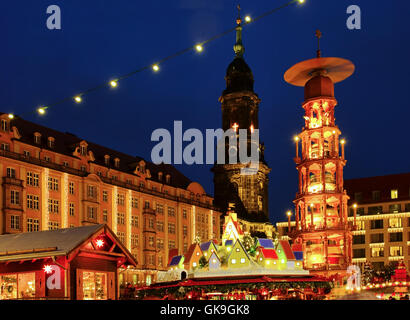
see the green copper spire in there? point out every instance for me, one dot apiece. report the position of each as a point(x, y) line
point(238, 47)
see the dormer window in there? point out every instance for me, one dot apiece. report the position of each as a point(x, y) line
point(51, 142)
point(160, 176)
point(4, 125)
point(168, 179)
point(117, 162)
point(83, 150)
point(37, 138)
point(107, 159)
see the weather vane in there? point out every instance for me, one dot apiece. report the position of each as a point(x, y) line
point(318, 36)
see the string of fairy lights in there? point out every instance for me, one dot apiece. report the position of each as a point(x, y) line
point(155, 67)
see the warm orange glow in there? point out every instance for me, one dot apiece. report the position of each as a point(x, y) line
point(252, 128)
point(289, 213)
point(355, 205)
point(235, 126)
point(296, 138)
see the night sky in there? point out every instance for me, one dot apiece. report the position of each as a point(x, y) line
point(100, 40)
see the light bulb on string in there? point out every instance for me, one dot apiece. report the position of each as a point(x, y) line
point(114, 83)
point(78, 99)
point(155, 67)
point(199, 48)
point(11, 116)
point(248, 19)
point(41, 110)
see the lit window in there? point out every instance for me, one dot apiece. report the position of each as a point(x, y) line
point(233, 261)
point(394, 194)
point(242, 260)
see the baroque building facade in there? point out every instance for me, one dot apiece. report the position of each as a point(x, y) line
point(53, 180)
point(240, 107)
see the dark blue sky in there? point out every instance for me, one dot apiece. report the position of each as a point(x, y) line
point(103, 39)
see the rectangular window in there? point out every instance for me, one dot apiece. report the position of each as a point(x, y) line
point(134, 240)
point(32, 202)
point(92, 191)
point(32, 179)
point(121, 236)
point(121, 218)
point(394, 193)
point(5, 147)
point(160, 243)
point(134, 203)
point(14, 197)
point(160, 226)
point(11, 173)
point(184, 213)
point(92, 212)
point(105, 215)
point(4, 125)
point(359, 253)
point(33, 225)
point(160, 208)
point(376, 224)
point(396, 251)
point(375, 210)
point(171, 228)
point(185, 231)
point(120, 199)
point(171, 244)
point(359, 239)
point(171, 212)
point(377, 252)
point(146, 205)
point(377, 238)
point(72, 209)
point(395, 223)
point(53, 206)
point(134, 221)
point(52, 184)
point(376, 195)
point(71, 187)
point(395, 208)
point(105, 196)
point(15, 222)
point(151, 242)
point(53, 225)
point(396, 237)
point(360, 225)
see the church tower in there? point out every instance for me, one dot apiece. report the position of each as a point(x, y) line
point(240, 106)
point(321, 202)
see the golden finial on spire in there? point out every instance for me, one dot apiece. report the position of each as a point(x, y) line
point(318, 36)
point(238, 47)
point(239, 20)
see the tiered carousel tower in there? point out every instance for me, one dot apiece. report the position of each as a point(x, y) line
point(321, 202)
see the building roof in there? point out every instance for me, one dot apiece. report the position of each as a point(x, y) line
point(297, 247)
point(60, 242)
point(287, 250)
point(176, 260)
point(266, 243)
point(269, 253)
point(228, 243)
point(190, 252)
point(65, 143)
point(384, 184)
point(206, 245)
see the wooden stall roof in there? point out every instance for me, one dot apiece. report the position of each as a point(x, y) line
point(60, 242)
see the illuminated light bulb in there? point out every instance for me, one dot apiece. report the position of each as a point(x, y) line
point(342, 141)
point(78, 99)
point(99, 243)
point(155, 67)
point(289, 213)
point(199, 48)
point(114, 83)
point(11, 116)
point(301, 1)
point(296, 138)
point(252, 128)
point(48, 269)
point(248, 19)
point(355, 205)
point(41, 110)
